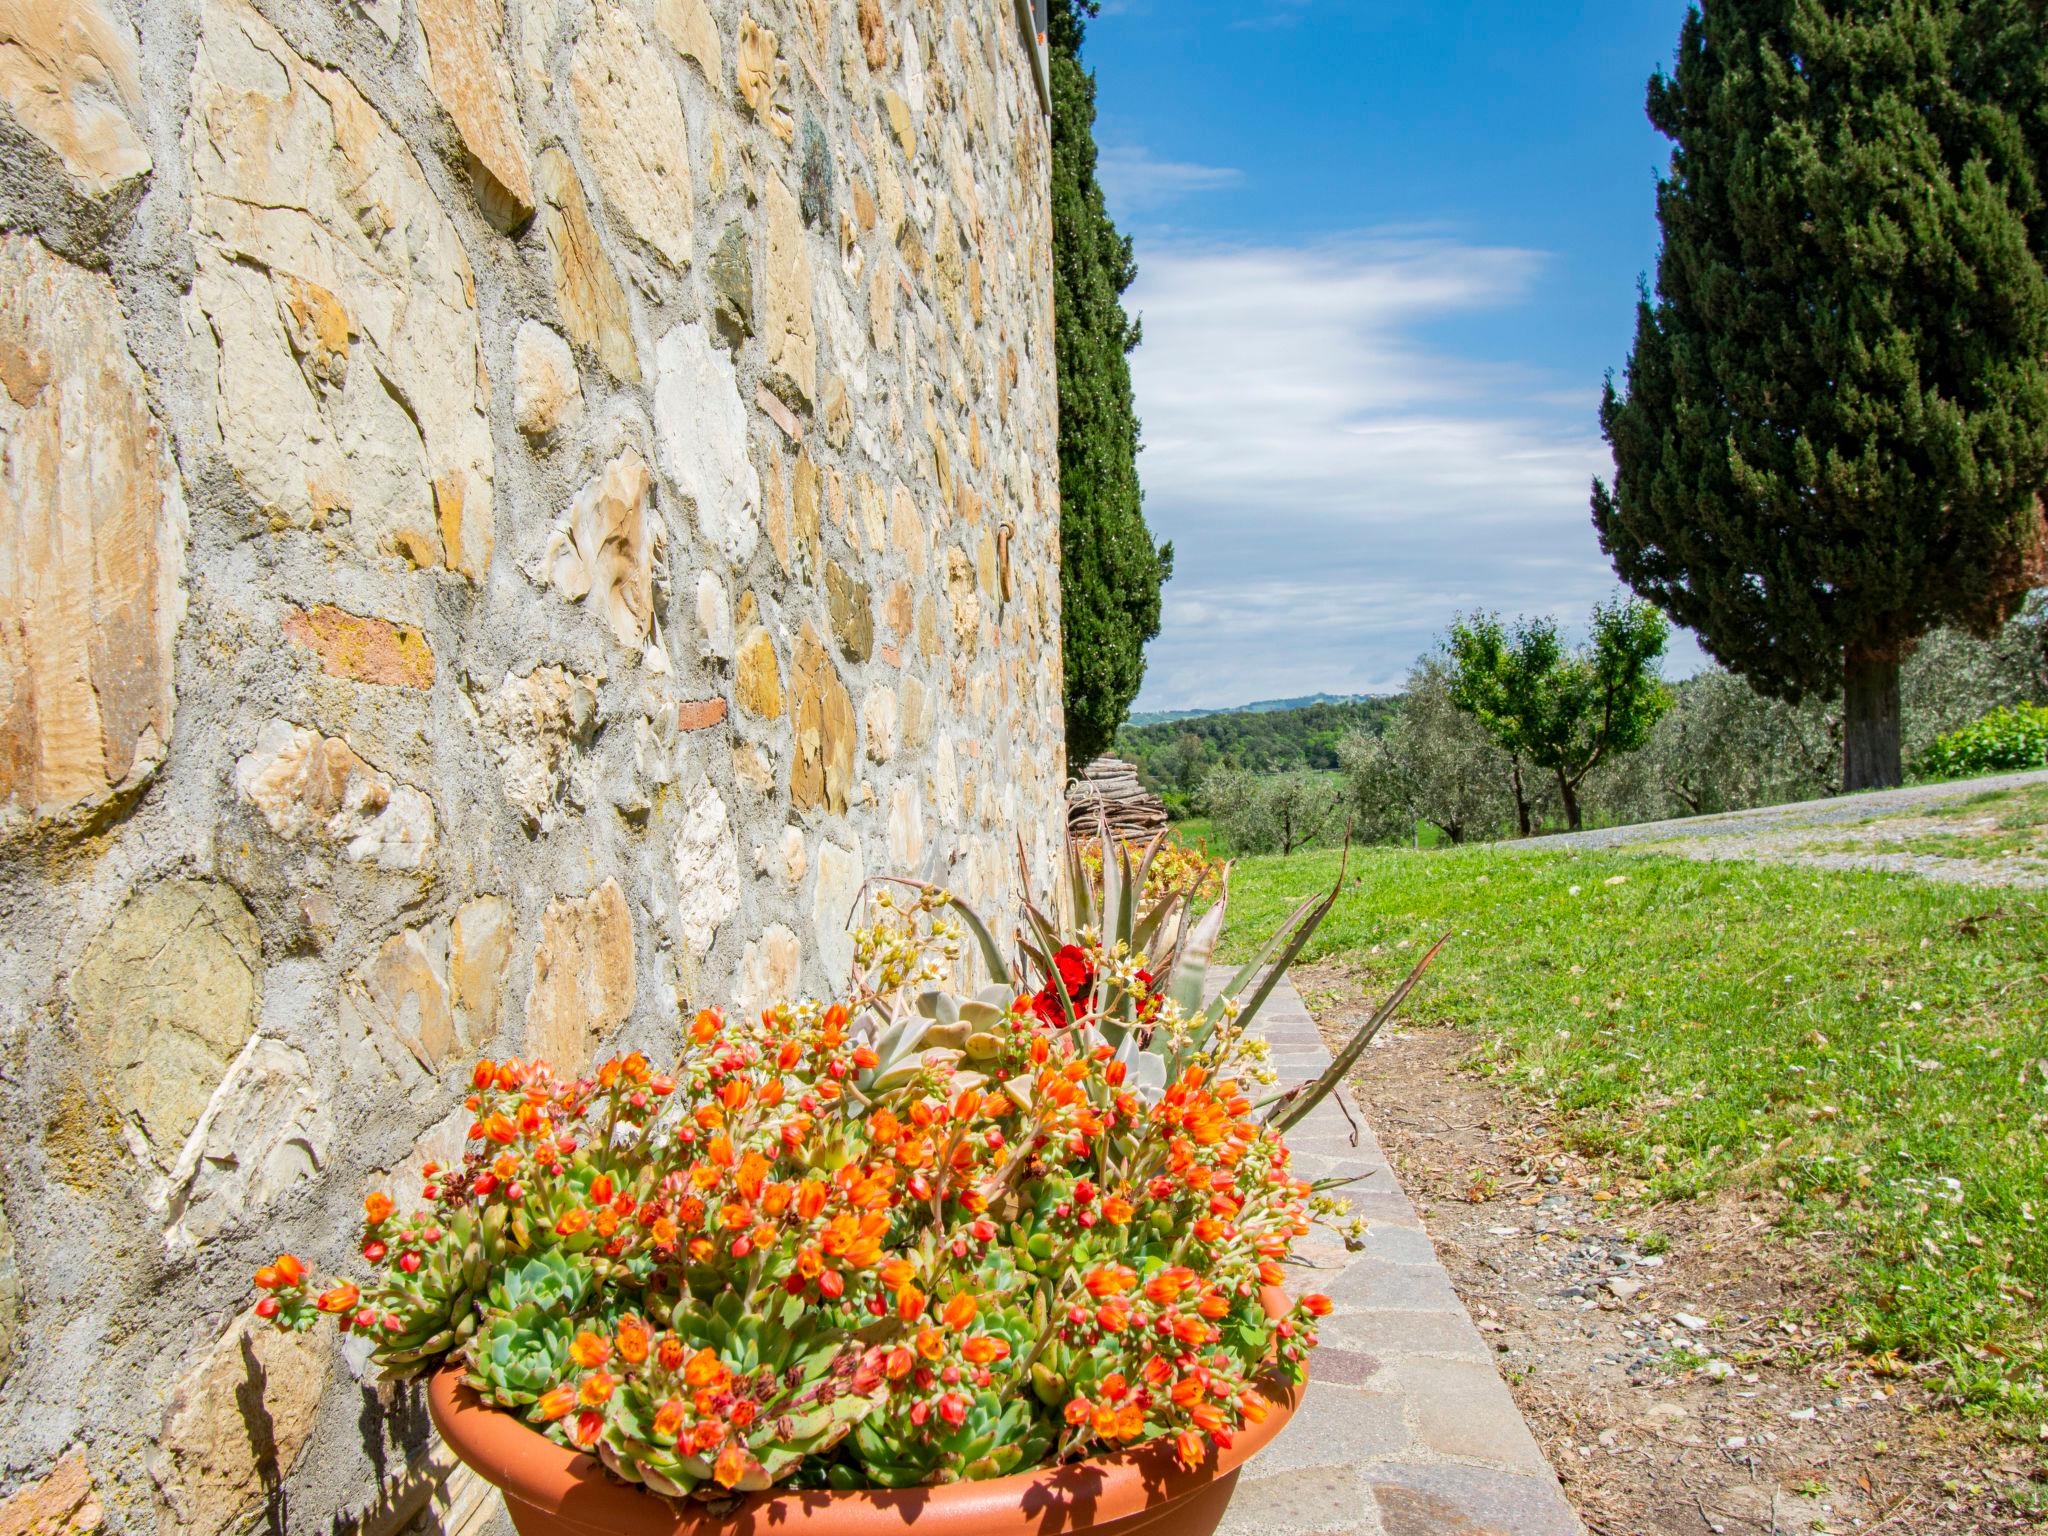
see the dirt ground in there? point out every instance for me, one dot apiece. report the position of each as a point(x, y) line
point(1655, 1348)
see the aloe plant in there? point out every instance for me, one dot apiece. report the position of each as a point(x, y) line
point(1103, 902)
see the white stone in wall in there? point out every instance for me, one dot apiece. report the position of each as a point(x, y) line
point(535, 725)
point(700, 433)
point(768, 970)
point(313, 786)
point(714, 616)
point(707, 867)
point(906, 829)
point(631, 120)
point(264, 1131)
point(333, 307)
point(834, 901)
point(878, 717)
point(547, 391)
point(607, 549)
point(68, 75)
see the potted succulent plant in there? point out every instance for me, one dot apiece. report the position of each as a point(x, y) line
point(989, 1261)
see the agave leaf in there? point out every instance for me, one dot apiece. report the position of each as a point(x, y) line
point(1297, 1102)
point(1152, 922)
point(1294, 935)
point(1115, 910)
point(1191, 970)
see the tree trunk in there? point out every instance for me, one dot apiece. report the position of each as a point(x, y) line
point(1570, 797)
point(1870, 722)
point(1521, 801)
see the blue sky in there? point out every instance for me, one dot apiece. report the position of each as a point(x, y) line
point(1387, 250)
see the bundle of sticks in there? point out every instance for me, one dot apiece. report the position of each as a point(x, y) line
point(1108, 789)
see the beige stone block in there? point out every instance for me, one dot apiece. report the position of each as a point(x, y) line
point(547, 390)
point(769, 969)
point(789, 333)
point(92, 548)
point(467, 66)
point(707, 869)
point(758, 681)
point(296, 181)
point(235, 1425)
point(593, 304)
point(630, 118)
point(821, 715)
point(67, 75)
point(311, 786)
point(479, 953)
point(835, 900)
point(688, 26)
point(761, 77)
point(163, 999)
point(536, 725)
point(583, 977)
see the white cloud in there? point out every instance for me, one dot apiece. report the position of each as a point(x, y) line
point(1336, 485)
point(1134, 180)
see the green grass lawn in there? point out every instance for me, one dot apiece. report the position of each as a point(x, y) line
point(1872, 1047)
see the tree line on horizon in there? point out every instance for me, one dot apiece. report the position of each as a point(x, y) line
point(1425, 764)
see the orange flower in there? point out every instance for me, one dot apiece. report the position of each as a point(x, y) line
point(1109, 1280)
point(1189, 1448)
point(1118, 1210)
point(930, 1343)
point(668, 1420)
point(590, 1349)
point(556, 1401)
point(597, 1389)
point(731, 1466)
point(342, 1298)
point(1316, 1305)
point(670, 1355)
point(705, 1370)
point(377, 1207)
point(909, 1303)
point(1079, 1410)
point(959, 1311)
point(573, 1221)
point(633, 1341)
point(290, 1271)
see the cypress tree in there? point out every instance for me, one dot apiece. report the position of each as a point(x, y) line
point(1835, 427)
point(1110, 570)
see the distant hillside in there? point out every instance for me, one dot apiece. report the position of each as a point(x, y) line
point(1281, 736)
point(1263, 707)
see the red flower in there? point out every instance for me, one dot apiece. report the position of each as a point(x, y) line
point(1075, 972)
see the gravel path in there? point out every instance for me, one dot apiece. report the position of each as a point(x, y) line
point(1805, 813)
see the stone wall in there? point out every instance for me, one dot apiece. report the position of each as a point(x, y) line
point(510, 512)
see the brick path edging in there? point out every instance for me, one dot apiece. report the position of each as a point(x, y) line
point(1406, 1428)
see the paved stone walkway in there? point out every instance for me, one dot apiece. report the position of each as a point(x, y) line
point(1406, 1429)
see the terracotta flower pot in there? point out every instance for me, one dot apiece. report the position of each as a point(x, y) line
point(553, 1491)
